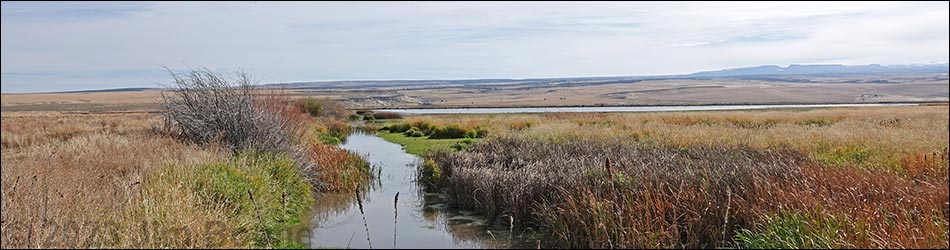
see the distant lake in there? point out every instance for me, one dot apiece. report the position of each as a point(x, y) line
point(625, 109)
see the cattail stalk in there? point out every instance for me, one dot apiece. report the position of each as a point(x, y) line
point(395, 217)
point(359, 201)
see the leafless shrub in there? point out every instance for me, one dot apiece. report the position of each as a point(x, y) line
point(204, 107)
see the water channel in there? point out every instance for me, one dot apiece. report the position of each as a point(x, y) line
point(423, 219)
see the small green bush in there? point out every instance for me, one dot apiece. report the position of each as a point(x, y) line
point(414, 132)
point(471, 133)
point(430, 174)
point(448, 132)
point(310, 106)
point(481, 132)
point(330, 139)
point(424, 126)
point(463, 144)
point(398, 127)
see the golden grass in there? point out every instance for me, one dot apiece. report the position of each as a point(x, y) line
point(68, 179)
point(847, 177)
point(872, 137)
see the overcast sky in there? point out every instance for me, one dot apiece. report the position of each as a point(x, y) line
point(89, 45)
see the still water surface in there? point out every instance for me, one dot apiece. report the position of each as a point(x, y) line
point(423, 220)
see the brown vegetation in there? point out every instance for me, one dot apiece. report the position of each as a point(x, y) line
point(830, 178)
point(228, 168)
point(73, 191)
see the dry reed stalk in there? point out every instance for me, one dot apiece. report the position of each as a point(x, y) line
point(359, 201)
point(395, 217)
point(511, 231)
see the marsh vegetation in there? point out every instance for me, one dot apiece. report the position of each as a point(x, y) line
point(825, 178)
point(223, 166)
point(234, 166)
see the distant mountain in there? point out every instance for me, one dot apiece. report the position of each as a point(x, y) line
point(749, 72)
point(825, 69)
point(107, 90)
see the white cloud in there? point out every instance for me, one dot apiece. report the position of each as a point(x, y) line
point(416, 40)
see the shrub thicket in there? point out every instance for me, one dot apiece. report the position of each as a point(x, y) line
point(205, 108)
point(310, 105)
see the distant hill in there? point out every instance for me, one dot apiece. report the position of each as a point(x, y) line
point(759, 72)
point(825, 69)
point(762, 72)
point(108, 90)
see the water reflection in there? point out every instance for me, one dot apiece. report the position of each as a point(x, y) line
point(423, 220)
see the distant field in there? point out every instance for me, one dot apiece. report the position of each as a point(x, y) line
point(811, 89)
point(94, 101)
point(853, 89)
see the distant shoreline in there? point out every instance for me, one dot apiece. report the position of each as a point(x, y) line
point(921, 103)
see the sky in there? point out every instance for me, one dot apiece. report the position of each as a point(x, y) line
point(65, 46)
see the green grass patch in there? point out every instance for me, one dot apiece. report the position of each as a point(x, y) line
point(863, 156)
point(792, 231)
point(259, 195)
point(419, 145)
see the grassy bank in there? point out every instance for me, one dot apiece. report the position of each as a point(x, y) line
point(829, 178)
point(193, 177)
point(104, 181)
point(253, 198)
point(420, 145)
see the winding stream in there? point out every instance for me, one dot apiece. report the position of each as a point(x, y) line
point(423, 220)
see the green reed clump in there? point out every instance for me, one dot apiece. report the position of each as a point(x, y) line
point(420, 128)
point(430, 174)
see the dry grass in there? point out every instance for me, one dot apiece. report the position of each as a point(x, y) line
point(71, 189)
point(26, 129)
point(879, 137)
point(115, 180)
point(648, 196)
point(854, 178)
point(623, 194)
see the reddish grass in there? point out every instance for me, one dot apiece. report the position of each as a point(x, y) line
point(338, 170)
point(623, 194)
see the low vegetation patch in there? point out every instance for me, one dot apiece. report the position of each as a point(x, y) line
point(225, 166)
point(381, 115)
point(621, 193)
point(256, 197)
point(339, 170)
point(420, 128)
point(422, 145)
point(793, 231)
point(317, 107)
point(430, 174)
